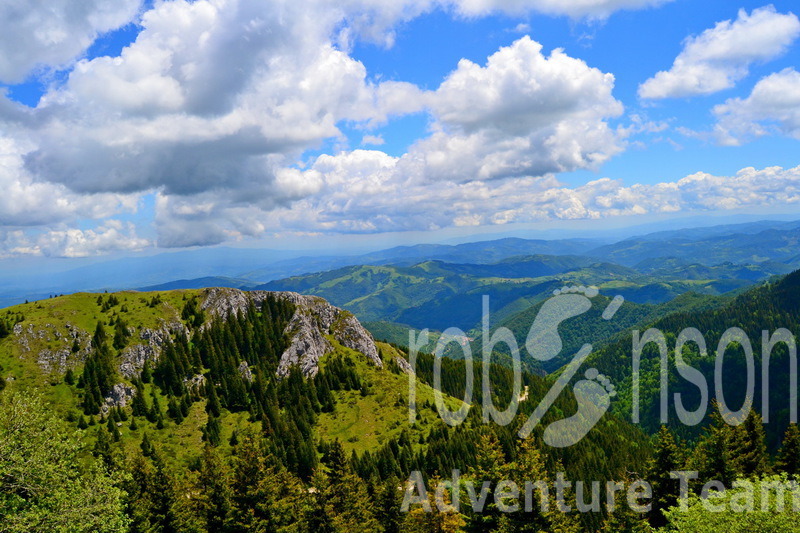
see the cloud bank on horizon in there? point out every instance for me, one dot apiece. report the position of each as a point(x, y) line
point(219, 120)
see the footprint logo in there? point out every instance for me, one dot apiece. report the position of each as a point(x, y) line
point(594, 398)
point(594, 393)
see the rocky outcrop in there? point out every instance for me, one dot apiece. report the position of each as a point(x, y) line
point(56, 358)
point(133, 357)
point(308, 345)
point(314, 319)
point(120, 396)
point(195, 383)
point(245, 372)
point(403, 364)
point(221, 301)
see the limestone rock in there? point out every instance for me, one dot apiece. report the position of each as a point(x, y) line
point(313, 320)
point(120, 396)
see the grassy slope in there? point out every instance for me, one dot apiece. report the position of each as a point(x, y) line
point(367, 422)
point(361, 423)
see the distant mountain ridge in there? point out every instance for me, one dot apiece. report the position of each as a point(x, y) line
point(775, 244)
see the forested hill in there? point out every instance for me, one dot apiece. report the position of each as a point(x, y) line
point(768, 307)
point(223, 410)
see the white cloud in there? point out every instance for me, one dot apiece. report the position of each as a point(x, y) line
point(360, 193)
point(52, 33)
point(111, 236)
point(721, 56)
point(594, 9)
point(211, 107)
point(27, 202)
point(209, 96)
point(772, 107)
point(164, 116)
point(521, 114)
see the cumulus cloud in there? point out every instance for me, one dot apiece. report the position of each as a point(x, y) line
point(772, 107)
point(374, 140)
point(721, 56)
point(206, 98)
point(523, 113)
point(111, 236)
point(27, 202)
point(213, 105)
point(360, 193)
point(165, 116)
point(52, 33)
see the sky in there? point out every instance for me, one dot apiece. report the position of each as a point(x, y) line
point(136, 126)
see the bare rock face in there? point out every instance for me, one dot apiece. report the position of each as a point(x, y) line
point(245, 372)
point(308, 346)
point(134, 357)
point(120, 396)
point(222, 301)
point(195, 383)
point(313, 320)
point(404, 365)
point(55, 360)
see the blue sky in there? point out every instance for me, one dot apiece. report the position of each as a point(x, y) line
point(135, 126)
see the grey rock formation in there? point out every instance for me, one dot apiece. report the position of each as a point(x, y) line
point(55, 360)
point(133, 357)
point(195, 382)
point(120, 396)
point(314, 318)
point(404, 365)
point(245, 372)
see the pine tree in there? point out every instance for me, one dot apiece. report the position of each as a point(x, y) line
point(748, 447)
point(138, 403)
point(212, 431)
point(788, 459)
point(346, 498)
point(146, 446)
point(147, 373)
point(213, 407)
point(102, 447)
point(164, 515)
point(665, 489)
point(155, 413)
point(113, 430)
point(712, 455)
point(266, 498)
point(174, 411)
point(215, 491)
point(388, 511)
point(419, 520)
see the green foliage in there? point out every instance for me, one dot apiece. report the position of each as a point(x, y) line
point(666, 459)
point(788, 461)
point(99, 372)
point(192, 313)
point(748, 447)
point(768, 307)
point(740, 509)
point(45, 485)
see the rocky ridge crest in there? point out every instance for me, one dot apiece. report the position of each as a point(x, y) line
point(313, 321)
